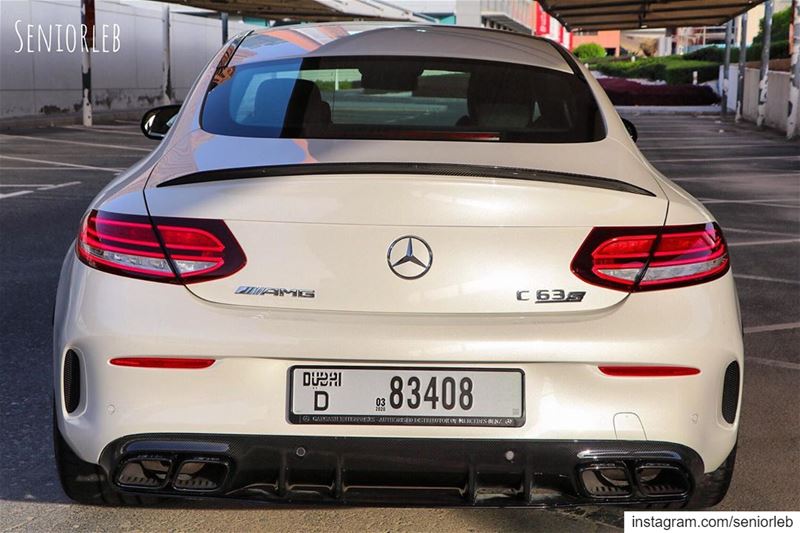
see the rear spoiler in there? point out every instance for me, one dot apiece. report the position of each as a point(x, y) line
point(436, 169)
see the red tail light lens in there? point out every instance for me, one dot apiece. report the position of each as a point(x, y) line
point(167, 249)
point(649, 258)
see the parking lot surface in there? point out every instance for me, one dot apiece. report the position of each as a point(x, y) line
point(749, 179)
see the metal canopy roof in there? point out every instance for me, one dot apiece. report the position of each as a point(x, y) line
point(317, 10)
point(587, 15)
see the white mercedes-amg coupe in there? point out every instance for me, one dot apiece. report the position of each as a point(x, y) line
point(401, 264)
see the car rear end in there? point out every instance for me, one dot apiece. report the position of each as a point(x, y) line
point(323, 294)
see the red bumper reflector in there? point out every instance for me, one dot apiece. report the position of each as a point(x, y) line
point(628, 371)
point(163, 362)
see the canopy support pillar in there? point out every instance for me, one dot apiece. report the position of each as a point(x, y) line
point(726, 69)
point(742, 66)
point(794, 75)
point(763, 76)
point(87, 29)
point(166, 96)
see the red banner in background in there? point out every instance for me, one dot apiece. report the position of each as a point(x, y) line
point(542, 21)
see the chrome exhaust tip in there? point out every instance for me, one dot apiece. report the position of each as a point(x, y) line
point(606, 480)
point(144, 472)
point(655, 479)
point(201, 474)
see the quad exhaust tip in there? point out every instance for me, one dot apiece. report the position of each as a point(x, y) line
point(648, 480)
point(144, 472)
point(154, 472)
point(201, 474)
point(606, 480)
point(662, 480)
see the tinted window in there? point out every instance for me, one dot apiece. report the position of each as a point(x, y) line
point(401, 98)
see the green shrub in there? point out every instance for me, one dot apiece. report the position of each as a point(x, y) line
point(710, 53)
point(672, 69)
point(607, 60)
point(593, 60)
point(589, 51)
point(681, 71)
point(678, 69)
point(651, 68)
point(777, 50)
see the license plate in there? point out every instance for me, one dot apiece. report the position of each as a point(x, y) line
point(406, 396)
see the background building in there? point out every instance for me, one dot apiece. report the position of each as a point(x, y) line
point(523, 16)
point(161, 49)
point(663, 42)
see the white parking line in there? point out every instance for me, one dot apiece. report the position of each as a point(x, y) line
point(58, 185)
point(765, 278)
point(728, 229)
point(744, 158)
point(729, 146)
point(769, 202)
point(646, 138)
point(80, 143)
point(773, 362)
point(59, 163)
point(111, 129)
point(773, 204)
point(18, 193)
point(38, 168)
point(38, 187)
point(772, 327)
point(752, 201)
point(762, 243)
point(737, 176)
point(41, 186)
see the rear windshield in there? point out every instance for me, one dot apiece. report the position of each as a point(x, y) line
point(406, 98)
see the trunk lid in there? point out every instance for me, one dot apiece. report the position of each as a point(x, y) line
point(330, 236)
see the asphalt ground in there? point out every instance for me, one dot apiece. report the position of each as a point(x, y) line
point(749, 179)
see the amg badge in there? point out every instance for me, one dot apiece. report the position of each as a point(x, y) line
point(273, 291)
point(551, 296)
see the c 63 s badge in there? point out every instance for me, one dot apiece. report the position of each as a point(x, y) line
point(550, 296)
point(275, 291)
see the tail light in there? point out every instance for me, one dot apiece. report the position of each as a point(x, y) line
point(650, 258)
point(171, 250)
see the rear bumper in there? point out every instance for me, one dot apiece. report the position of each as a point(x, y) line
point(408, 472)
point(100, 316)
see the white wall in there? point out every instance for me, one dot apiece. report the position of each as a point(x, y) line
point(428, 6)
point(468, 13)
point(778, 91)
point(50, 82)
point(777, 96)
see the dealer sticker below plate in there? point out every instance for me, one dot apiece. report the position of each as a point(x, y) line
point(423, 396)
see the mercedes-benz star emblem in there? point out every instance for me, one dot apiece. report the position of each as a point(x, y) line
point(409, 257)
